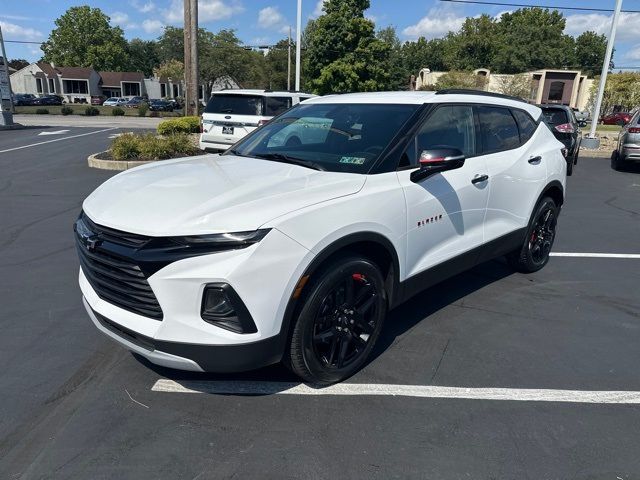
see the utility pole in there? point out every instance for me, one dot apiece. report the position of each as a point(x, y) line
point(289, 61)
point(6, 103)
point(298, 42)
point(592, 141)
point(191, 75)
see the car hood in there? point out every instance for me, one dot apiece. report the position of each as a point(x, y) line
point(211, 194)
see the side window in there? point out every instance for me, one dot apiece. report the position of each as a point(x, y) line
point(526, 125)
point(276, 105)
point(303, 131)
point(499, 129)
point(450, 126)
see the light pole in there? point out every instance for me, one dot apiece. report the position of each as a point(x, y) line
point(298, 46)
point(6, 103)
point(591, 140)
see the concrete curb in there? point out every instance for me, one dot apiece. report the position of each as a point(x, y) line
point(95, 162)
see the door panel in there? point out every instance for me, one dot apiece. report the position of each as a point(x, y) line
point(445, 211)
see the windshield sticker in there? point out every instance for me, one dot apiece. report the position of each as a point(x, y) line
point(353, 160)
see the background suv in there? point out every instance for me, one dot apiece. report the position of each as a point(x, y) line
point(232, 114)
point(565, 127)
point(628, 149)
point(294, 244)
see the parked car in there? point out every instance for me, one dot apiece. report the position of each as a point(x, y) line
point(115, 102)
point(620, 118)
point(48, 100)
point(565, 127)
point(177, 105)
point(627, 151)
point(160, 106)
point(581, 116)
point(134, 102)
point(23, 99)
point(295, 250)
point(232, 114)
point(98, 99)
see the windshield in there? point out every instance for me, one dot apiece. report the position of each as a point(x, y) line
point(335, 137)
point(237, 104)
point(555, 116)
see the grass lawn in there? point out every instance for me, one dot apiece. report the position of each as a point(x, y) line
point(79, 110)
point(603, 128)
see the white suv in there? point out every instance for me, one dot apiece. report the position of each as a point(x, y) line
point(232, 114)
point(295, 244)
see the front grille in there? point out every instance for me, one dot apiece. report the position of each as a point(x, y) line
point(116, 279)
point(115, 236)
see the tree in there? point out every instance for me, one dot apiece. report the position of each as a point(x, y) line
point(474, 45)
point(590, 51)
point(143, 55)
point(18, 63)
point(276, 65)
point(530, 39)
point(343, 53)
point(622, 89)
point(399, 76)
point(515, 85)
point(84, 38)
point(173, 69)
point(461, 79)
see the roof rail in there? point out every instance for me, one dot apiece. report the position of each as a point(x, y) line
point(465, 91)
point(288, 91)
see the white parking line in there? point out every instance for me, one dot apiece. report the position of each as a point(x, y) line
point(421, 391)
point(596, 255)
point(56, 140)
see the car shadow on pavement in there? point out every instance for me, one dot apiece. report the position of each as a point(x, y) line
point(277, 377)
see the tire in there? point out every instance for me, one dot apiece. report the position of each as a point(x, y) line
point(541, 232)
point(335, 331)
point(616, 163)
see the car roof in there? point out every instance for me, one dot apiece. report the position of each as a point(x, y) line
point(419, 97)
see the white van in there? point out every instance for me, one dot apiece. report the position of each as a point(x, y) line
point(232, 114)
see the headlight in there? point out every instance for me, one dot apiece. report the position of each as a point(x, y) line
point(239, 239)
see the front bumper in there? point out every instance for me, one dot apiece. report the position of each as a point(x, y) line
point(263, 275)
point(193, 357)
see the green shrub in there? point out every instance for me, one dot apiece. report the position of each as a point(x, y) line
point(42, 111)
point(126, 147)
point(66, 110)
point(142, 109)
point(117, 112)
point(148, 146)
point(91, 111)
point(180, 125)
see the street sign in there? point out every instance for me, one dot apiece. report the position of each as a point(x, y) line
point(5, 89)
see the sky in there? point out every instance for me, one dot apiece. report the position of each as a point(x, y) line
point(264, 22)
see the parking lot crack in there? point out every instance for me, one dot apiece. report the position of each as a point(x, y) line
point(613, 199)
point(444, 351)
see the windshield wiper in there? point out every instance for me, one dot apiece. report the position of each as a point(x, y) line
point(281, 157)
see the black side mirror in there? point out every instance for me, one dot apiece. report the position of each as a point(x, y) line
point(437, 160)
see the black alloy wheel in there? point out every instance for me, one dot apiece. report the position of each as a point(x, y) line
point(339, 322)
point(534, 253)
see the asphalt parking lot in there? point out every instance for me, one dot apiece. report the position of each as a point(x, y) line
point(75, 405)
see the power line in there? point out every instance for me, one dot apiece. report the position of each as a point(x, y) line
point(583, 9)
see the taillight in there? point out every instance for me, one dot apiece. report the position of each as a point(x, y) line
point(634, 130)
point(565, 128)
point(262, 122)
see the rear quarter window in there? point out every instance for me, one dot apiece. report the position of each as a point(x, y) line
point(499, 130)
point(276, 105)
point(526, 125)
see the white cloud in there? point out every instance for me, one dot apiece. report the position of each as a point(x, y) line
point(144, 7)
point(152, 26)
point(18, 32)
point(634, 53)
point(270, 17)
point(437, 23)
point(121, 20)
point(208, 10)
point(627, 30)
point(318, 10)
point(15, 17)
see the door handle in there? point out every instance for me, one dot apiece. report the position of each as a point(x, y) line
point(479, 178)
point(535, 160)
